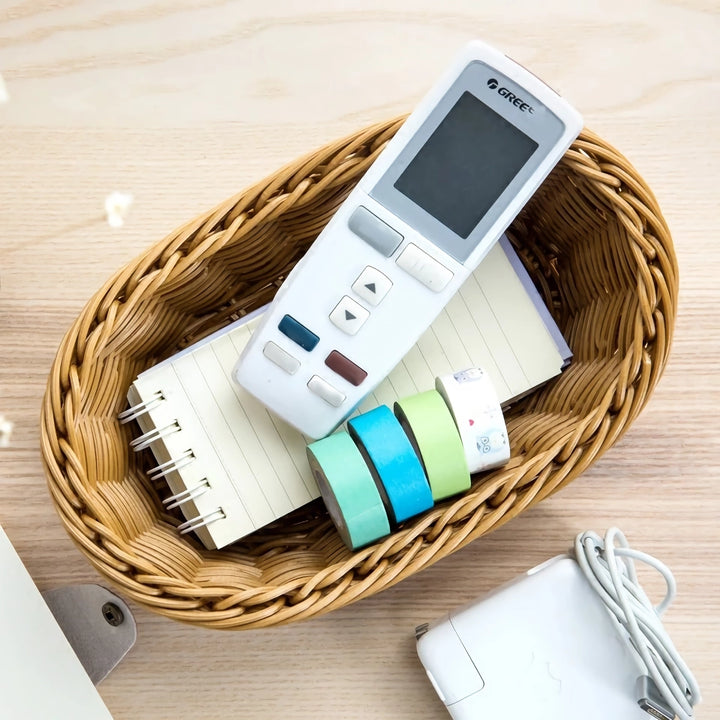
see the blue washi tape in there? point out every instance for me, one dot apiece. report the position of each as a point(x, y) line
point(396, 468)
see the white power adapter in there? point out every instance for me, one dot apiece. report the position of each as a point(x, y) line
point(574, 637)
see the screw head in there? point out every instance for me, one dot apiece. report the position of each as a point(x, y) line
point(113, 614)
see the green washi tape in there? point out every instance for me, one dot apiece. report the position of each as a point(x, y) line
point(429, 425)
point(349, 490)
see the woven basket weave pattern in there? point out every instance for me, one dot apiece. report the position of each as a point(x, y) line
point(597, 247)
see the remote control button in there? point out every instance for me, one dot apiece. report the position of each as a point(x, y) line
point(298, 333)
point(374, 231)
point(372, 286)
point(322, 388)
point(349, 316)
point(424, 268)
point(282, 359)
point(345, 368)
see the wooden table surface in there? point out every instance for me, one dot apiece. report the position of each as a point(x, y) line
point(183, 103)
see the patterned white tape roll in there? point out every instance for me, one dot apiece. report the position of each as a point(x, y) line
point(474, 404)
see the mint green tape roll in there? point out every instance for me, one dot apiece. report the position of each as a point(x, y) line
point(348, 489)
point(430, 427)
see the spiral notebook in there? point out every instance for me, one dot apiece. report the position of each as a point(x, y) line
point(233, 467)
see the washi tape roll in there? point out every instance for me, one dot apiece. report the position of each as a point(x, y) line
point(348, 489)
point(474, 404)
point(430, 427)
point(399, 476)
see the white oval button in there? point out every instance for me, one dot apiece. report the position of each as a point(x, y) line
point(281, 358)
point(424, 268)
point(322, 388)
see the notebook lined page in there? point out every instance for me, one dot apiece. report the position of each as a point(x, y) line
point(256, 463)
point(522, 325)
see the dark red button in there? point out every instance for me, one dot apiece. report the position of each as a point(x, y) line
point(345, 368)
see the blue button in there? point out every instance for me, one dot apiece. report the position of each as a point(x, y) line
point(298, 333)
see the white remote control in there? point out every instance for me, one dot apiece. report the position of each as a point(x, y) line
point(417, 224)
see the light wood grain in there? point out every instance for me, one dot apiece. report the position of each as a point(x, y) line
point(182, 104)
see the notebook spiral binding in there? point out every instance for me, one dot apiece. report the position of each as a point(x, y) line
point(174, 464)
point(190, 494)
point(164, 469)
point(147, 439)
point(134, 412)
point(201, 521)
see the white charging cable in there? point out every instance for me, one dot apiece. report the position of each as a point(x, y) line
point(609, 567)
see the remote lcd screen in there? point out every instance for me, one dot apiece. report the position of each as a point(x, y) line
point(465, 165)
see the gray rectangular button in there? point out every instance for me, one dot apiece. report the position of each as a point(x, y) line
point(374, 231)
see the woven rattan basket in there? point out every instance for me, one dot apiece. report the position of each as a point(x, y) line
point(595, 243)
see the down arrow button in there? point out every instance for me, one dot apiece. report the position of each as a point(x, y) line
point(348, 315)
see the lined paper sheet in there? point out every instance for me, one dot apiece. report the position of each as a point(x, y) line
point(255, 463)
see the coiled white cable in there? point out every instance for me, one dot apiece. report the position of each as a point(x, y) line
point(609, 567)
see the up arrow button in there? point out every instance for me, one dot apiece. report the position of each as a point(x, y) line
point(372, 286)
